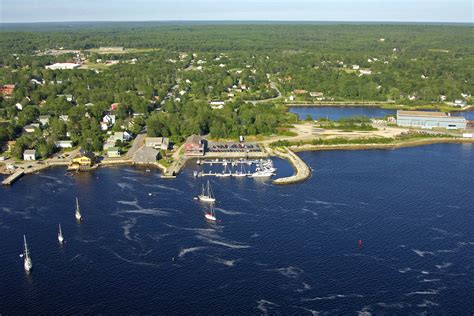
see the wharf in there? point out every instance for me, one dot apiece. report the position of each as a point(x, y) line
point(12, 178)
point(302, 171)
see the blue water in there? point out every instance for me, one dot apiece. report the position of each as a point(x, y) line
point(336, 113)
point(276, 250)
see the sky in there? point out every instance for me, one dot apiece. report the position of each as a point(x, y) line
point(12, 11)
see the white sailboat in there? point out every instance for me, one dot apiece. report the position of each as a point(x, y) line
point(78, 211)
point(60, 235)
point(225, 172)
point(211, 215)
point(206, 194)
point(27, 263)
point(241, 172)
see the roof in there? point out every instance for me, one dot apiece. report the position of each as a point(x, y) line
point(194, 139)
point(145, 155)
point(425, 114)
point(113, 149)
point(30, 152)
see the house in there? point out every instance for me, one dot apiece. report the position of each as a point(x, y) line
point(19, 107)
point(63, 144)
point(29, 128)
point(44, 119)
point(69, 97)
point(160, 143)
point(299, 91)
point(217, 103)
point(114, 106)
point(365, 72)
point(7, 89)
point(145, 155)
point(36, 81)
point(292, 98)
point(194, 146)
point(84, 159)
point(62, 66)
point(459, 102)
point(316, 94)
point(64, 118)
point(355, 67)
point(29, 154)
point(109, 119)
point(113, 152)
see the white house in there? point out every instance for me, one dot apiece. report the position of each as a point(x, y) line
point(44, 119)
point(355, 67)
point(459, 102)
point(19, 107)
point(29, 154)
point(109, 119)
point(104, 126)
point(157, 142)
point(64, 118)
point(63, 144)
point(365, 72)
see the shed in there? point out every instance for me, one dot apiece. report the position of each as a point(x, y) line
point(29, 154)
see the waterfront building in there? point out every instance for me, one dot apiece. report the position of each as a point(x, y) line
point(145, 155)
point(194, 146)
point(29, 154)
point(113, 152)
point(160, 143)
point(429, 120)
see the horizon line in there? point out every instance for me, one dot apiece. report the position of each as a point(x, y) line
point(242, 21)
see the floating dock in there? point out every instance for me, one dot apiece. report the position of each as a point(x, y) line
point(12, 178)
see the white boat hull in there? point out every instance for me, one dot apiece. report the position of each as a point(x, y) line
point(210, 217)
point(78, 217)
point(28, 265)
point(206, 199)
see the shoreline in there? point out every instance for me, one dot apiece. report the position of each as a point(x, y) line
point(302, 170)
point(380, 105)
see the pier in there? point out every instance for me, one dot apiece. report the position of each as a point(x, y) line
point(302, 171)
point(12, 178)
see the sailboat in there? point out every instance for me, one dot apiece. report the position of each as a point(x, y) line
point(211, 216)
point(27, 263)
point(78, 211)
point(225, 172)
point(206, 194)
point(241, 172)
point(60, 235)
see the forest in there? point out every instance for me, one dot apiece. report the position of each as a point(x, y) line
point(169, 75)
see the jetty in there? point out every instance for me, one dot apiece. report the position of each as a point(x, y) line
point(302, 170)
point(12, 178)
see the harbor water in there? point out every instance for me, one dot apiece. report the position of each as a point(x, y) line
point(377, 231)
point(335, 113)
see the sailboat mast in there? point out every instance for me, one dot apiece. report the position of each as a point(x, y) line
point(26, 247)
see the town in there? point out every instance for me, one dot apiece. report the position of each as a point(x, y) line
point(109, 105)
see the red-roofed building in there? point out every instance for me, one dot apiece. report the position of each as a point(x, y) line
point(7, 90)
point(114, 106)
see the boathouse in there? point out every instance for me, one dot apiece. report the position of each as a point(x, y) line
point(194, 146)
point(429, 120)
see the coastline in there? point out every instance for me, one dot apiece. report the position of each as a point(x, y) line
point(302, 170)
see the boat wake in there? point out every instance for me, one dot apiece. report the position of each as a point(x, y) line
point(185, 251)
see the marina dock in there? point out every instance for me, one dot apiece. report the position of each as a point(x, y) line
point(12, 178)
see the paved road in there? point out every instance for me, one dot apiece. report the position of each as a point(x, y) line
point(273, 86)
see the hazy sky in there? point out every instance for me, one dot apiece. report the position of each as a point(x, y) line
point(282, 10)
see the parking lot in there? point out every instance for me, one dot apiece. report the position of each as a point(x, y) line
point(231, 147)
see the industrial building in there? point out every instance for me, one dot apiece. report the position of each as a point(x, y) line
point(429, 120)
